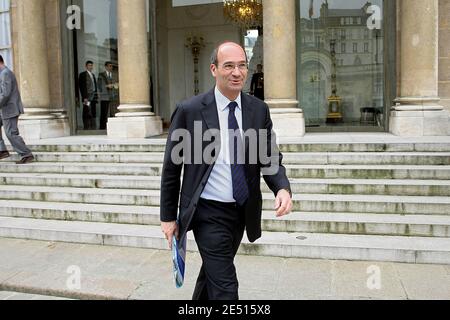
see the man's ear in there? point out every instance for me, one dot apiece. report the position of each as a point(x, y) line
point(213, 69)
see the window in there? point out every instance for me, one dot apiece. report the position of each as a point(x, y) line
point(343, 48)
point(366, 47)
point(355, 47)
point(5, 33)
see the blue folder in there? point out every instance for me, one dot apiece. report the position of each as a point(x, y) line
point(179, 260)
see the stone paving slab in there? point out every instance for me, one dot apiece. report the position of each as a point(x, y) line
point(6, 295)
point(51, 269)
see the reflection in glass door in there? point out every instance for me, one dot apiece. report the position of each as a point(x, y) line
point(341, 64)
point(97, 82)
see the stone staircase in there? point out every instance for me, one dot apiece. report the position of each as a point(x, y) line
point(361, 201)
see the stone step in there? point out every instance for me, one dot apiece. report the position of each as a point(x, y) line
point(340, 158)
point(310, 222)
point(368, 158)
point(424, 172)
point(302, 202)
point(359, 223)
point(136, 169)
point(279, 244)
point(299, 145)
point(81, 180)
point(369, 172)
point(364, 147)
point(298, 186)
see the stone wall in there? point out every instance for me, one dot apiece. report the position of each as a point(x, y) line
point(444, 53)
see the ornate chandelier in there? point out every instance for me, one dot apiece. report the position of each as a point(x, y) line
point(247, 14)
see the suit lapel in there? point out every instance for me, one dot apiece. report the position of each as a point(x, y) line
point(247, 116)
point(209, 111)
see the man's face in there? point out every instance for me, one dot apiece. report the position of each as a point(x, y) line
point(109, 67)
point(231, 71)
point(89, 67)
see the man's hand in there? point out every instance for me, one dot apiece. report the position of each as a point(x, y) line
point(283, 203)
point(169, 229)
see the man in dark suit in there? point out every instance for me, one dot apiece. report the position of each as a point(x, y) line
point(106, 87)
point(10, 109)
point(221, 194)
point(257, 84)
point(88, 89)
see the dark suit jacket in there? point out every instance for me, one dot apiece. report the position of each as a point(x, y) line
point(88, 89)
point(256, 115)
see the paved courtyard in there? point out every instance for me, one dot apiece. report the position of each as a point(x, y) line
point(80, 271)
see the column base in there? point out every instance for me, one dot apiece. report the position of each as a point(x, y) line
point(282, 103)
point(44, 129)
point(288, 122)
point(134, 127)
point(419, 123)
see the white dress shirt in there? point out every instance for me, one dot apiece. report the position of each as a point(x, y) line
point(220, 183)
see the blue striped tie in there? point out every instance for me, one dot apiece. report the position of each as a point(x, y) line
point(240, 187)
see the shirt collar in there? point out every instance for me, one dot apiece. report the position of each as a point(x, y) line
point(2, 69)
point(223, 102)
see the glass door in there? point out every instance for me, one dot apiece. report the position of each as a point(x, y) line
point(341, 64)
point(95, 65)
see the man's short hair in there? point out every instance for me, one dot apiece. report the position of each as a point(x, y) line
point(215, 53)
point(1, 59)
point(89, 62)
point(107, 63)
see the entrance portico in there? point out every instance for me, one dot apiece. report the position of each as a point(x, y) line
point(156, 70)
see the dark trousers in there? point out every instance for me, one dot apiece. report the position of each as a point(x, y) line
point(104, 112)
point(89, 116)
point(218, 230)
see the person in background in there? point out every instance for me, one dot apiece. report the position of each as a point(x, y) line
point(88, 89)
point(11, 108)
point(106, 91)
point(257, 84)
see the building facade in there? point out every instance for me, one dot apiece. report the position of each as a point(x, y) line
point(329, 65)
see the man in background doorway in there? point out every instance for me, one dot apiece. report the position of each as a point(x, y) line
point(257, 84)
point(88, 89)
point(106, 85)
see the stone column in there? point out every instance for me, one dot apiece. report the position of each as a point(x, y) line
point(280, 67)
point(37, 122)
point(417, 111)
point(135, 119)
